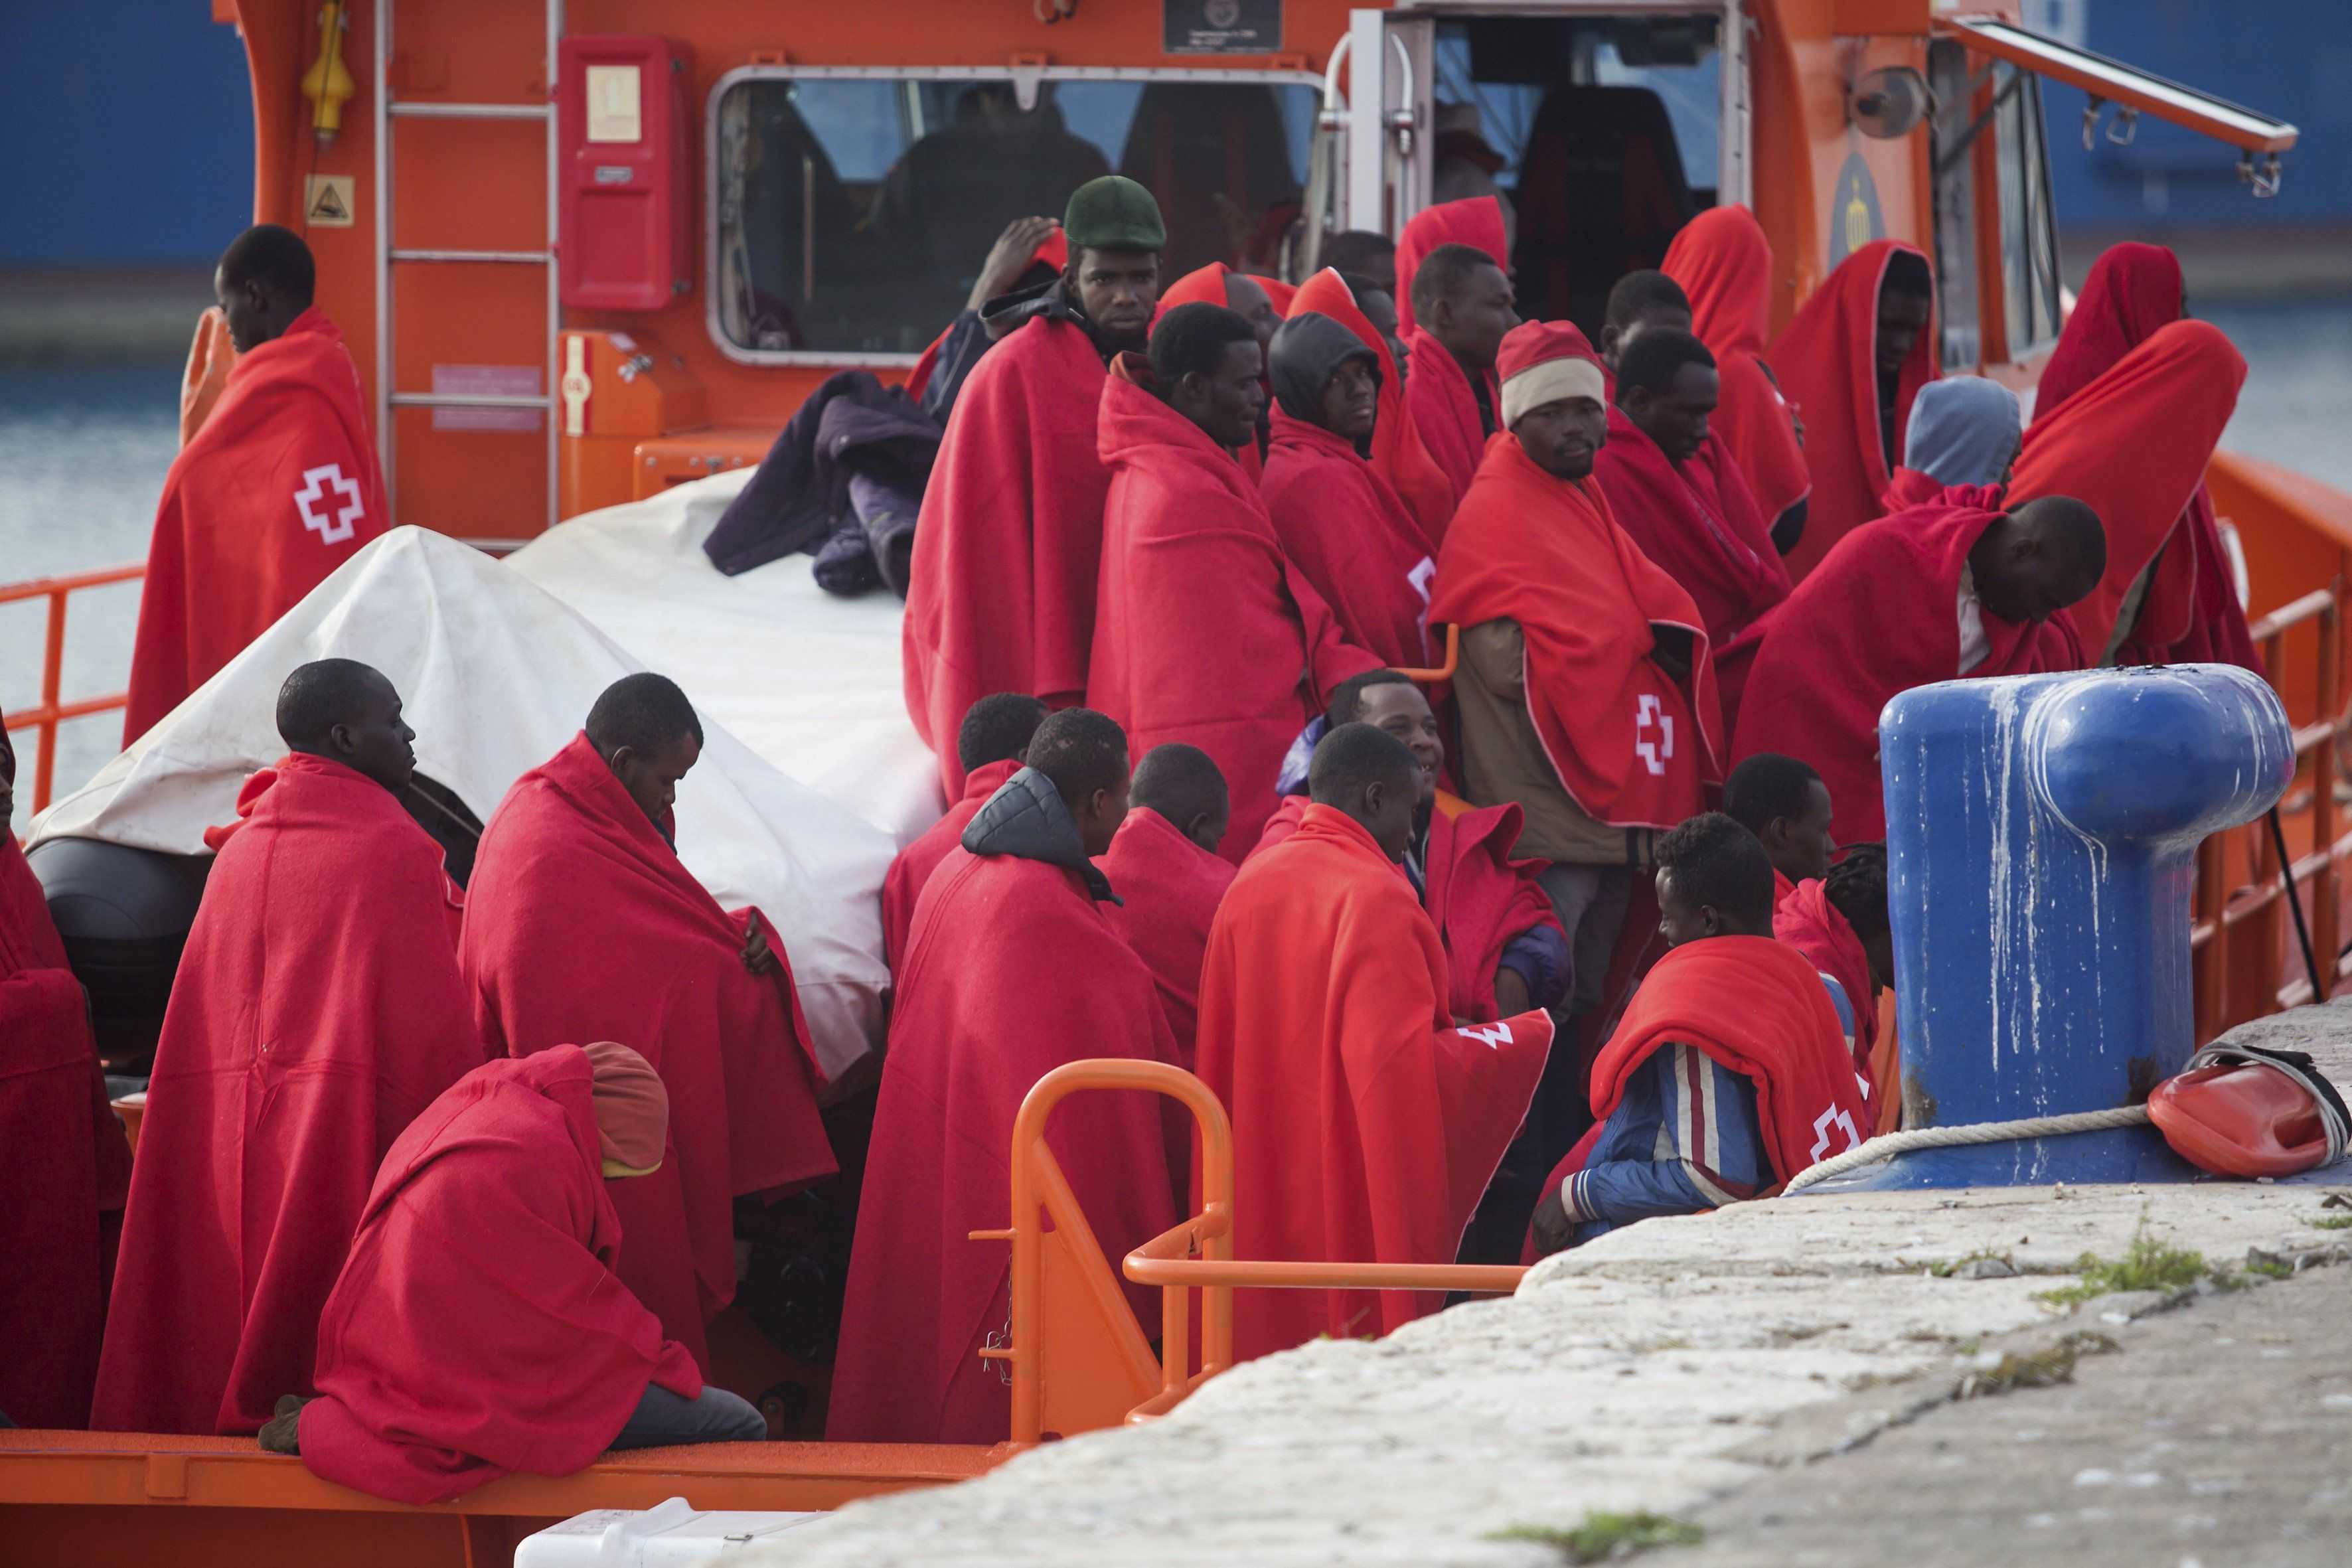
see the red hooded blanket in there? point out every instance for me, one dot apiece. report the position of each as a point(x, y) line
point(1475, 893)
point(1756, 1006)
point(318, 1009)
point(582, 924)
point(1697, 521)
point(1473, 221)
point(1001, 593)
point(1443, 410)
point(1206, 632)
point(1169, 888)
point(1909, 488)
point(278, 488)
point(1881, 616)
point(479, 1327)
point(64, 1162)
point(1365, 1127)
point(1808, 922)
point(1398, 456)
point(903, 884)
point(1725, 264)
point(1633, 748)
point(2191, 612)
point(1351, 537)
point(1828, 361)
point(1010, 971)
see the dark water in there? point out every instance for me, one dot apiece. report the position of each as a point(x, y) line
point(83, 454)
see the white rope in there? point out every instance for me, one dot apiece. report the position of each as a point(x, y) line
point(1891, 1143)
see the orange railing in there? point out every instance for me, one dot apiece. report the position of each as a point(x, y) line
point(1072, 1345)
point(2244, 935)
point(50, 711)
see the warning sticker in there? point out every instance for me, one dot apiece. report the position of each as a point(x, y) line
point(487, 381)
point(327, 200)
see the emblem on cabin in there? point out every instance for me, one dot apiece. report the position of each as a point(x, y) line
point(1854, 216)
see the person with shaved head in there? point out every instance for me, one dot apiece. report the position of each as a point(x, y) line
point(1164, 862)
point(583, 923)
point(989, 745)
point(1369, 1122)
point(318, 1009)
point(276, 488)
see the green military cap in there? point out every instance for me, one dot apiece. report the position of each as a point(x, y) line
point(1113, 213)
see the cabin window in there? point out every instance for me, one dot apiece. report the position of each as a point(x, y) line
point(2027, 238)
point(2029, 231)
point(851, 210)
point(1608, 132)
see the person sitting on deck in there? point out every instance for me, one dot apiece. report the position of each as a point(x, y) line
point(478, 1328)
point(1965, 435)
point(1585, 692)
point(1784, 803)
point(1012, 970)
point(1839, 921)
point(1638, 302)
point(583, 923)
point(64, 1159)
point(277, 488)
point(1933, 593)
point(1395, 451)
point(1724, 263)
point(1857, 352)
point(1729, 1072)
point(1204, 630)
point(1000, 593)
point(989, 744)
point(1164, 862)
point(1367, 1123)
point(317, 1008)
point(1672, 486)
point(1455, 311)
point(1341, 523)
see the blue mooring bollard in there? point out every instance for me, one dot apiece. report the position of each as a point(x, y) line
point(2040, 838)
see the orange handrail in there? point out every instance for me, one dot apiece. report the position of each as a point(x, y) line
point(50, 711)
point(1167, 1260)
point(1444, 670)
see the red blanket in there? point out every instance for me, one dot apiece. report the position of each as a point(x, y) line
point(280, 487)
point(1473, 221)
point(581, 924)
point(1756, 1006)
point(1012, 971)
point(1697, 521)
point(1808, 922)
point(1828, 361)
point(1169, 888)
point(309, 1026)
point(1206, 632)
point(1633, 748)
point(1000, 596)
point(1445, 411)
point(1397, 455)
point(1725, 264)
point(63, 1161)
point(1909, 488)
point(1365, 1127)
point(491, 1217)
point(1350, 536)
point(914, 865)
point(1880, 616)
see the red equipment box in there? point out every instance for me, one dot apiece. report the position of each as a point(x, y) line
point(625, 223)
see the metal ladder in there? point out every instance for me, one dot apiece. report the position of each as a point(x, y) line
point(388, 253)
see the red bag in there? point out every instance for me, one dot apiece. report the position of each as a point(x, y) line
point(2245, 1112)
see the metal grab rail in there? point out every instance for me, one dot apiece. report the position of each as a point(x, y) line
point(1167, 1260)
point(45, 717)
point(2237, 935)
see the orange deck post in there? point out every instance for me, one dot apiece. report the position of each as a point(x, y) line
point(45, 716)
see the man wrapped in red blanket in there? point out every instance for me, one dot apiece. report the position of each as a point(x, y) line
point(1933, 593)
point(1011, 971)
point(1724, 263)
point(989, 744)
point(1206, 632)
point(1396, 452)
point(582, 923)
point(63, 1158)
point(277, 488)
point(1366, 1126)
point(1164, 863)
point(318, 1009)
point(479, 1328)
point(1453, 313)
point(1002, 586)
point(1839, 922)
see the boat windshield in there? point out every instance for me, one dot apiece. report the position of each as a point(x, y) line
point(851, 212)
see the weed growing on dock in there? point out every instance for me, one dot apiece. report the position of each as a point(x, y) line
point(2146, 1265)
point(2044, 1368)
point(2331, 1222)
point(1607, 1537)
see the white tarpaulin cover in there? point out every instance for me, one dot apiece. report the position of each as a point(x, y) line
point(495, 675)
point(807, 680)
